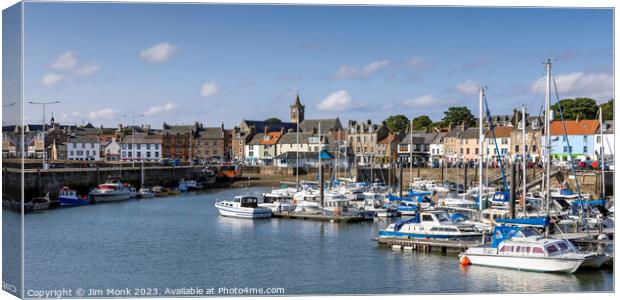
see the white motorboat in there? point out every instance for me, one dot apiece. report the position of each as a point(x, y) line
point(280, 200)
point(336, 203)
point(146, 193)
point(245, 207)
point(375, 203)
point(37, 203)
point(431, 225)
point(522, 248)
point(110, 191)
point(307, 200)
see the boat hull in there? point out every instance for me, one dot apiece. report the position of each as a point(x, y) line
point(594, 261)
point(110, 197)
point(411, 235)
point(536, 264)
point(72, 202)
point(243, 212)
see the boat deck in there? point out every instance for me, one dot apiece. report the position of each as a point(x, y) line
point(584, 235)
point(320, 217)
point(428, 245)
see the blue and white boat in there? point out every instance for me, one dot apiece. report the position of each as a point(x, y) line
point(69, 197)
point(431, 225)
point(408, 206)
point(245, 207)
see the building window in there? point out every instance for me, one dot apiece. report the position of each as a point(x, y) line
point(156, 147)
point(129, 154)
point(517, 148)
point(129, 146)
point(148, 146)
point(139, 154)
point(251, 153)
point(251, 148)
point(71, 152)
point(138, 146)
point(156, 154)
point(124, 154)
point(585, 139)
point(585, 149)
point(467, 151)
point(477, 151)
point(83, 145)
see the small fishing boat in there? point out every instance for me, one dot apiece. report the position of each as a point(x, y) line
point(69, 197)
point(245, 207)
point(192, 185)
point(38, 203)
point(183, 186)
point(146, 193)
point(516, 245)
point(431, 225)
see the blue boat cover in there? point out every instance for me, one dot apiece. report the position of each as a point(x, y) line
point(542, 222)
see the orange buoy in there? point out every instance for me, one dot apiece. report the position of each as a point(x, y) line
point(465, 261)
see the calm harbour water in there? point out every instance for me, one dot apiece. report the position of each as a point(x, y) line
point(177, 242)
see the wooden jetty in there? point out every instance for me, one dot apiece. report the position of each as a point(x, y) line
point(428, 245)
point(321, 217)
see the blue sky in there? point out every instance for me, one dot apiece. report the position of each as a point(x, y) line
point(223, 63)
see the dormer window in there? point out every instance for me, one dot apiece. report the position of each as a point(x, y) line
point(266, 138)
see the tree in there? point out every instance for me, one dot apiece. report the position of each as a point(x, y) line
point(273, 120)
point(608, 110)
point(582, 108)
point(397, 123)
point(422, 122)
point(458, 115)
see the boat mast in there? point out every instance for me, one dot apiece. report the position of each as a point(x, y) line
point(524, 156)
point(411, 152)
point(602, 152)
point(480, 143)
point(320, 165)
point(548, 139)
point(297, 148)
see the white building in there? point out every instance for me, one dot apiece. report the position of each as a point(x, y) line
point(83, 148)
point(436, 148)
point(262, 148)
point(111, 150)
point(144, 146)
point(608, 140)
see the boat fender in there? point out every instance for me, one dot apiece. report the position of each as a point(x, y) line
point(602, 237)
point(465, 261)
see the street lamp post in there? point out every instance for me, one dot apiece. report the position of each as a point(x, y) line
point(43, 104)
point(133, 137)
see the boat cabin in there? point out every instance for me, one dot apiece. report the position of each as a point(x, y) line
point(246, 201)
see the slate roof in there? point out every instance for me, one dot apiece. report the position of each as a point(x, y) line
point(211, 133)
point(326, 124)
point(259, 126)
point(291, 138)
point(84, 139)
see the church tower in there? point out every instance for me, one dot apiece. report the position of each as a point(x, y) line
point(297, 111)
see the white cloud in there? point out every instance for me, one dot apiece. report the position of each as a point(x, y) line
point(87, 69)
point(417, 63)
point(153, 110)
point(599, 86)
point(336, 102)
point(158, 53)
point(65, 61)
point(106, 113)
point(209, 89)
point(51, 79)
point(426, 101)
point(353, 72)
point(468, 87)
point(69, 116)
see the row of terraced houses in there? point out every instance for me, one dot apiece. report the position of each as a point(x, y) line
point(301, 140)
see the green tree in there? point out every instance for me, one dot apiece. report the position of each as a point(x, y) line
point(273, 120)
point(397, 123)
point(422, 122)
point(582, 108)
point(608, 110)
point(457, 115)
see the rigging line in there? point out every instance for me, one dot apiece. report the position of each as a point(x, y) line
point(570, 155)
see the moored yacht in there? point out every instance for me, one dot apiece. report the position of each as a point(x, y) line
point(522, 248)
point(431, 225)
point(279, 200)
point(245, 207)
point(110, 191)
